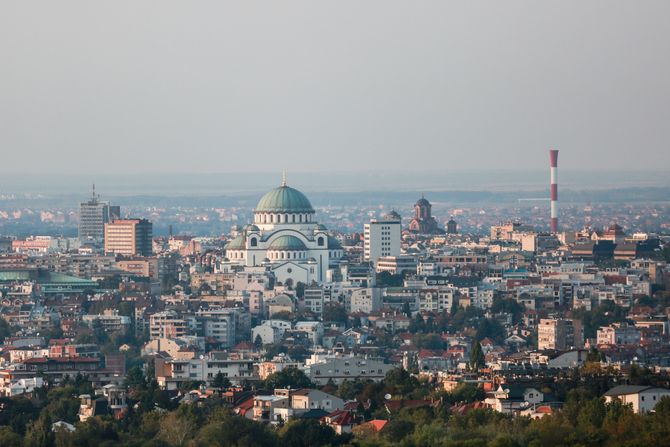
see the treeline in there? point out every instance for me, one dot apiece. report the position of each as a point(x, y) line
point(156, 418)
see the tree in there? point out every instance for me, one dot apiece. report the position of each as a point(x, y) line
point(258, 341)
point(135, 378)
point(400, 382)
point(189, 385)
point(307, 433)
point(477, 360)
point(386, 279)
point(466, 392)
point(508, 306)
point(491, 329)
point(406, 310)
point(334, 312)
point(9, 439)
point(287, 377)
point(39, 432)
point(178, 426)
point(5, 329)
point(300, 289)
point(220, 381)
point(397, 429)
point(428, 341)
point(233, 431)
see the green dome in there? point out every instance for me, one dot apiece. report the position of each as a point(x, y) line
point(284, 200)
point(287, 242)
point(236, 244)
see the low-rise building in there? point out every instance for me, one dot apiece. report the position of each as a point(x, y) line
point(641, 398)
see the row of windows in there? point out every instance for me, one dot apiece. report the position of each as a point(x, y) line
point(287, 255)
point(347, 372)
point(283, 218)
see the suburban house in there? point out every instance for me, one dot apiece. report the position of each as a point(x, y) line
point(511, 398)
point(641, 398)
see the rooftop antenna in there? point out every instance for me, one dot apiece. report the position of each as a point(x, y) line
point(94, 190)
point(283, 178)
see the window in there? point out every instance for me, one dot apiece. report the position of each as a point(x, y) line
point(320, 241)
point(254, 242)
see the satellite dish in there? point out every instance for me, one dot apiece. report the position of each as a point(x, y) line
point(387, 396)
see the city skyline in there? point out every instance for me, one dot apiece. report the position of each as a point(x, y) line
point(334, 223)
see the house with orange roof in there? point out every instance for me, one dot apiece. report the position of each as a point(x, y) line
point(342, 421)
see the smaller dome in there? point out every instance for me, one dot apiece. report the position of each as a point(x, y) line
point(239, 243)
point(281, 300)
point(333, 243)
point(251, 227)
point(321, 227)
point(423, 202)
point(287, 242)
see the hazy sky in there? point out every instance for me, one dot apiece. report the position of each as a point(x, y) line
point(342, 85)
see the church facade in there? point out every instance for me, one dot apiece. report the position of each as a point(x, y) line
point(423, 221)
point(286, 237)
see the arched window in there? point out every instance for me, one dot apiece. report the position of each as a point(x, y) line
point(254, 242)
point(293, 218)
point(285, 218)
point(319, 241)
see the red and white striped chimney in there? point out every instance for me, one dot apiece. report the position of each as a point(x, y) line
point(553, 158)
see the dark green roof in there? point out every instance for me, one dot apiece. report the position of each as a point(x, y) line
point(49, 282)
point(287, 242)
point(284, 200)
point(60, 278)
point(15, 275)
point(239, 243)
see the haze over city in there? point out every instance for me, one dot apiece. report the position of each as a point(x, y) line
point(215, 87)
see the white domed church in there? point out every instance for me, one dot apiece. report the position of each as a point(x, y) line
point(286, 237)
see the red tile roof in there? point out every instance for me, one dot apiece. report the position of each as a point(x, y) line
point(378, 424)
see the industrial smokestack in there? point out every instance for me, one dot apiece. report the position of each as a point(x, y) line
point(553, 158)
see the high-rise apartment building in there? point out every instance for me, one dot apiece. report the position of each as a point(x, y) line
point(167, 324)
point(382, 237)
point(129, 237)
point(314, 299)
point(93, 215)
point(559, 334)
